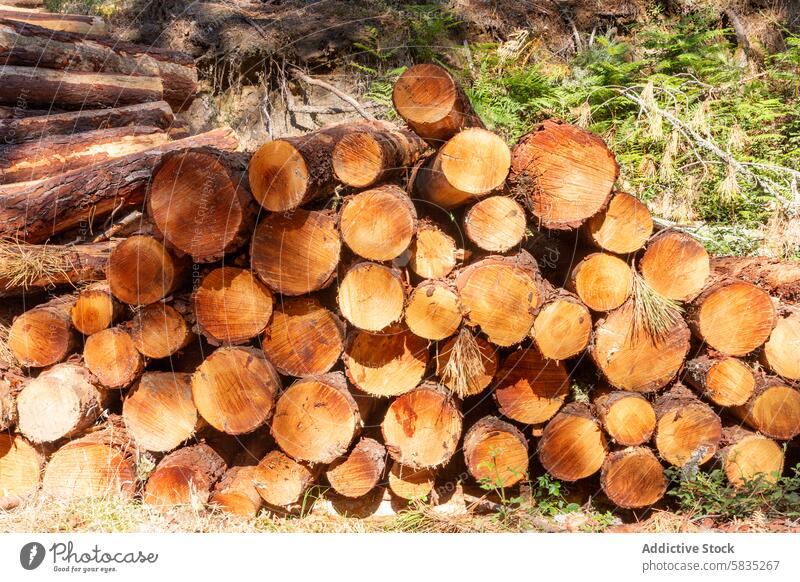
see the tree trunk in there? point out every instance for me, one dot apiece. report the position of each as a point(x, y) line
point(159, 412)
point(358, 472)
point(38, 127)
point(779, 278)
point(432, 103)
point(316, 419)
point(74, 23)
point(141, 271)
point(724, 380)
point(375, 154)
point(371, 296)
point(495, 224)
point(773, 410)
point(633, 478)
point(688, 431)
point(25, 268)
point(43, 335)
point(280, 480)
point(675, 265)
point(634, 360)
point(35, 211)
point(501, 296)
point(623, 227)
point(466, 374)
point(564, 172)
point(469, 166)
point(422, 427)
point(20, 470)
point(184, 477)
point(378, 224)
point(627, 417)
point(563, 327)
point(236, 494)
point(782, 350)
point(31, 46)
point(95, 309)
point(296, 253)
point(603, 282)
point(232, 306)
point(386, 364)
point(198, 203)
point(303, 338)
point(159, 331)
point(572, 446)
point(748, 456)
point(61, 402)
point(531, 389)
point(235, 389)
point(733, 317)
point(410, 484)
point(112, 357)
point(433, 311)
point(48, 156)
point(496, 452)
point(433, 252)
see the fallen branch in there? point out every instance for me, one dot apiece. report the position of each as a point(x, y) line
point(298, 74)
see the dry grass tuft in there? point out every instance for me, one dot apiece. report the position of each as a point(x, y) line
point(6, 355)
point(22, 265)
point(465, 364)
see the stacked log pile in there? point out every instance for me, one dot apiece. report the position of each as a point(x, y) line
point(369, 307)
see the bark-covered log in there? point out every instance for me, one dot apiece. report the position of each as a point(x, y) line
point(460, 378)
point(434, 253)
point(747, 456)
point(78, 24)
point(602, 281)
point(675, 265)
point(184, 477)
point(565, 173)
point(112, 358)
point(371, 296)
point(20, 470)
point(779, 278)
point(8, 403)
point(43, 335)
point(410, 484)
point(141, 271)
point(495, 224)
point(280, 480)
point(724, 380)
point(433, 311)
point(622, 227)
point(688, 431)
point(781, 352)
point(235, 493)
point(572, 446)
point(358, 472)
point(496, 452)
point(627, 417)
point(773, 410)
point(159, 331)
point(633, 478)
point(95, 309)
point(563, 327)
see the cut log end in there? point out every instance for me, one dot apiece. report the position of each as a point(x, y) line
point(572, 446)
point(627, 417)
point(159, 331)
point(433, 311)
point(20, 470)
point(112, 357)
point(774, 410)
point(496, 453)
point(141, 271)
point(562, 329)
point(42, 336)
point(433, 252)
point(603, 282)
point(531, 389)
point(279, 176)
point(495, 224)
point(751, 457)
point(378, 224)
point(359, 472)
point(623, 227)
point(782, 349)
point(410, 484)
point(688, 431)
point(184, 477)
point(675, 265)
point(367, 157)
point(236, 494)
point(280, 480)
point(89, 470)
point(371, 296)
point(725, 381)
point(633, 478)
point(466, 370)
point(94, 310)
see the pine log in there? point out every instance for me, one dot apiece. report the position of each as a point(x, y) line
point(773, 410)
point(159, 412)
point(433, 311)
point(602, 281)
point(564, 172)
point(501, 296)
point(61, 402)
point(410, 484)
point(236, 494)
point(747, 456)
point(563, 327)
point(386, 364)
point(232, 306)
point(20, 470)
point(531, 389)
point(141, 271)
point(32, 45)
point(358, 473)
point(627, 417)
point(280, 480)
point(48, 156)
point(371, 296)
point(496, 452)
point(675, 265)
point(371, 155)
point(95, 309)
point(184, 477)
point(296, 253)
point(316, 419)
point(78, 24)
point(781, 352)
point(303, 338)
point(733, 317)
point(28, 268)
point(159, 331)
point(633, 478)
point(572, 446)
point(432, 103)
point(35, 211)
point(112, 358)
point(43, 335)
point(778, 278)
point(235, 388)
point(623, 227)
point(724, 380)
point(21, 111)
point(471, 164)
point(433, 252)
point(495, 224)
point(38, 127)
point(28, 5)
point(688, 431)
point(8, 403)
point(466, 380)
point(198, 203)
point(422, 427)
point(634, 360)
point(378, 224)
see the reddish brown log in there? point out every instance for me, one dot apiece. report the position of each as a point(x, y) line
point(778, 278)
point(95, 309)
point(74, 23)
point(159, 331)
point(184, 477)
point(141, 271)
